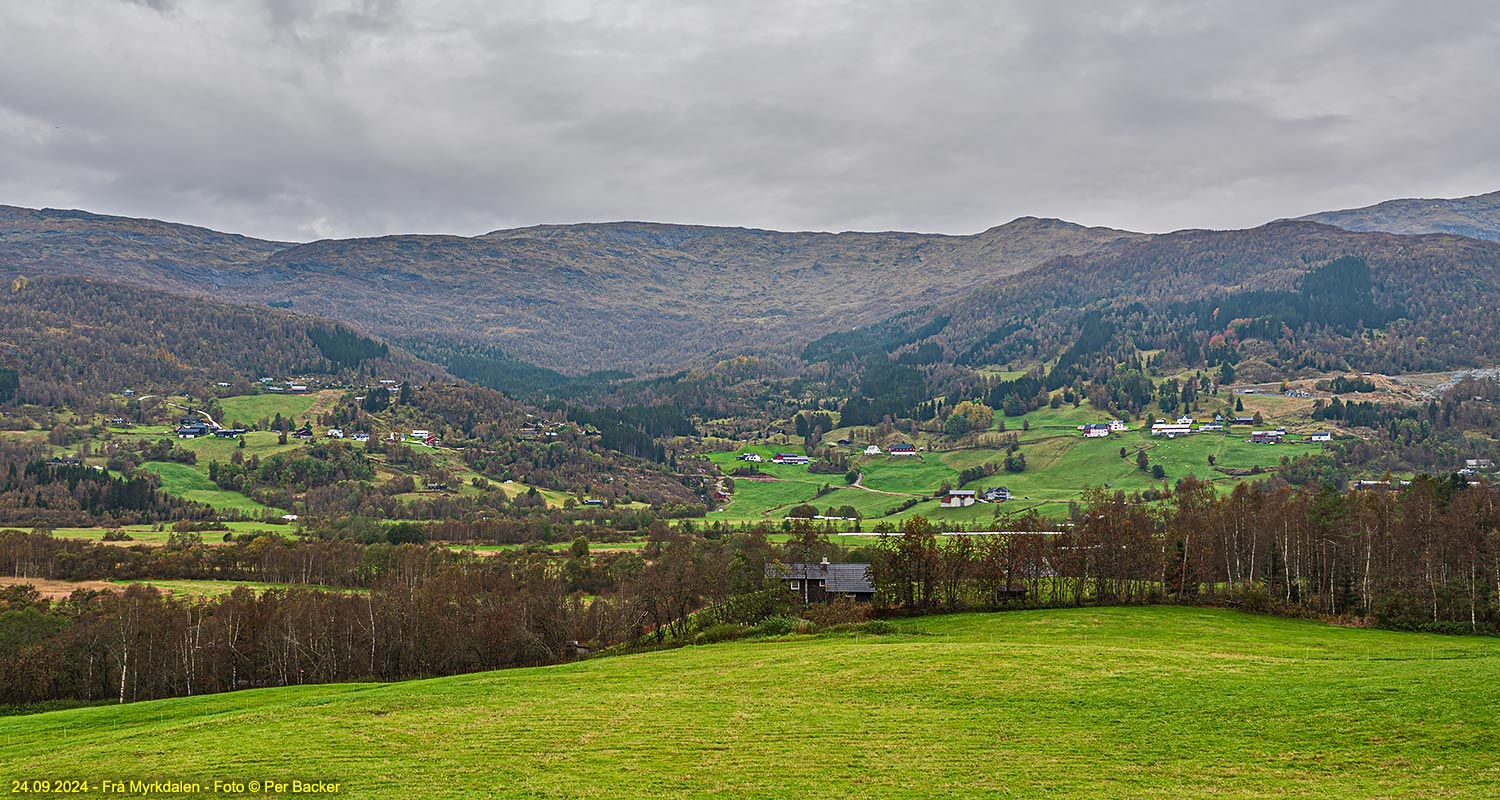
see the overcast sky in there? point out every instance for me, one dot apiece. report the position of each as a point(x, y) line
point(276, 120)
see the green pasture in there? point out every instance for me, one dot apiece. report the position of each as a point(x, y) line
point(190, 482)
point(251, 408)
point(1153, 703)
point(144, 534)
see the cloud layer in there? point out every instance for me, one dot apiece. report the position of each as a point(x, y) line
point(292, 120)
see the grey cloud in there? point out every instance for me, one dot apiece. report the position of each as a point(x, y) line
point(294, 120)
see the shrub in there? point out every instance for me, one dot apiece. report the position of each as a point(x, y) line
point(837, 612)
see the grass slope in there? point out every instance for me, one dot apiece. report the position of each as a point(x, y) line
point(1138, 702)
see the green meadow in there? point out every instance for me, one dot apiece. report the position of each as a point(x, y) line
point(190, 482)
point(1160, 702)
point(251, 408)
point(145, 534)
point(211, 588)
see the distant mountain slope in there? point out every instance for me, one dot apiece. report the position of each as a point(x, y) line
point(142, 251)
point(573, 297)
point(1477, 217)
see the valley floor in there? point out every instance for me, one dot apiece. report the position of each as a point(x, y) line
point(1120, 702)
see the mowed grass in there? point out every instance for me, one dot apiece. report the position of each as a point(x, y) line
point(191, 483)
point(1084, 703)
point(143, 534)
point(251, 408)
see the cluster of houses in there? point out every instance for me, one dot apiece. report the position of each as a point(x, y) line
point(1474, 466)
point(962, 498)
point(1099, 430)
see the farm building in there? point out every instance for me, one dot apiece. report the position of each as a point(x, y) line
point(872, 450)
point(193, 430)
point(1171, 429)
point(995, 494)
point(816, 583)
point(1118, 426)
point(1094, 430)
point(1479, 464)
point(748, 457)
point(1264, 437)
point(903, 449)
point(1320, 436)
point(790, 458)
point(959, 498)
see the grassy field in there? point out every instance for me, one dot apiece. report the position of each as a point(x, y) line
point(206, 588)
point(191, 482)
point(251, 408)
point(143, 534)
point(1132, 703)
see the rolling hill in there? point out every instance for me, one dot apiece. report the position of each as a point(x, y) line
point(1158, 702)
point(1477, 216)
point(575, 297)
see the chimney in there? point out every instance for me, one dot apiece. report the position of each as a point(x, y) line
point(825, 561)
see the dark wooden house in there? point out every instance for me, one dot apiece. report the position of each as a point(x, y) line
point(816, 583)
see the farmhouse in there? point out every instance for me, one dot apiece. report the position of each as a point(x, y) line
point(230, 433)
point(995, 494)
point(903, 449)
point(1480, 464)
point(959, 498)
point(193, 431)
point(1244, 420)
point(1320, 436)
point(1094, 430)
point(790, 458)
point(420, 434)
point(816, 583)
point(845, 442)
point(1171, 429)
point(872, 450)
point(1265, 437)
point(1118, 426)
point(335, 433)
point(748, 457)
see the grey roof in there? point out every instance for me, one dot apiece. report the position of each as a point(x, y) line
point(836, 577)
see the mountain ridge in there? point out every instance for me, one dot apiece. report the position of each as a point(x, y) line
point(1476, 216)
point(641, 296)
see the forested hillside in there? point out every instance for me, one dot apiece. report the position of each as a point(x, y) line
point(71, 339)
point(1400, 303)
